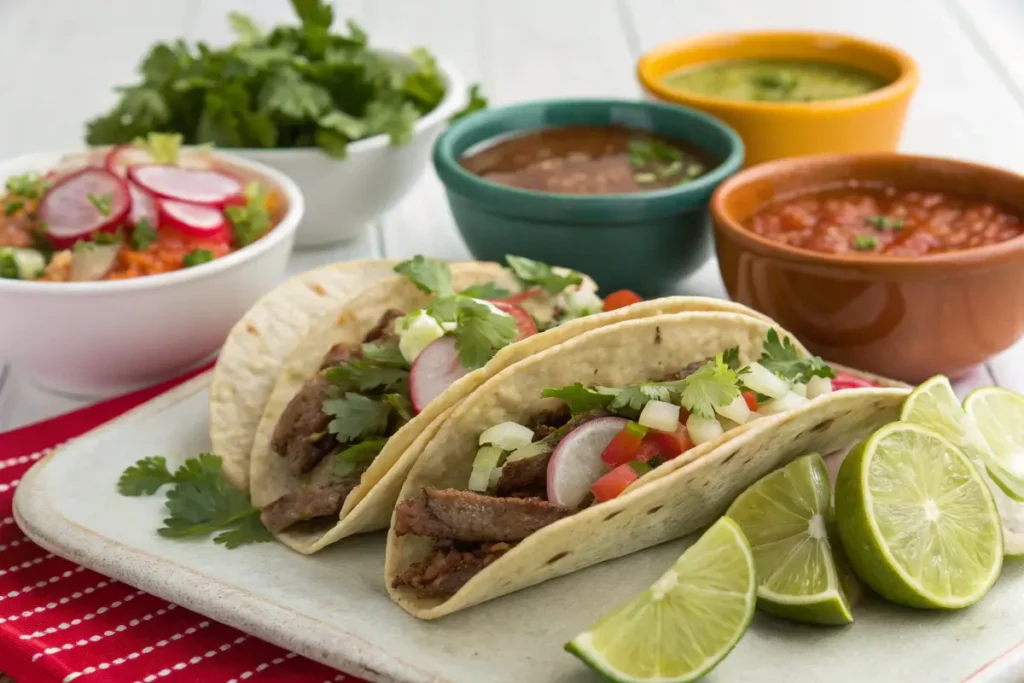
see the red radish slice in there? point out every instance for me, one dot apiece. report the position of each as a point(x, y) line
point(193, 219)
point(186, 184)
point(436, 368)
point(576, 463)
point(143, 206)
point(70, 215)
point(121, 157)
point(524, 321)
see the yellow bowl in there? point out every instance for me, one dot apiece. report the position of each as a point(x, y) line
point(771, 130)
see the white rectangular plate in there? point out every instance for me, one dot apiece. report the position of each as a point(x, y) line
point(333, 607)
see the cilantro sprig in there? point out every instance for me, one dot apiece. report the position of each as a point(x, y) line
point(200, 501)
point(782, 357)
point(532, 272)
point(250, 221)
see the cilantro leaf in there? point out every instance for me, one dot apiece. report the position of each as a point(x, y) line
point(287, 95)
point(476, 102)
point(196, 257)
point(713, 384)
point(249, 222)
point(386, 353)
point(781, 357)
point(27, 185)
point(432, 277)
point(401, 405)
point(145, 477)
point(365, 376)
point(481, 332)
point(579, 398)
point(204, 467)
point(731, 357)
point(356, 417)
point(248, 529)
point(247, 30)
point(352, 457)
point(143, 235)
point(631, 400)
point(485, 290)
point(536, 273)
point(164, 147)
point(12, 207)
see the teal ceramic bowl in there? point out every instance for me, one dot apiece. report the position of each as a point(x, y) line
point(645, 241)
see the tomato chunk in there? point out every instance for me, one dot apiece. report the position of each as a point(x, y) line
point(625, 445)
point(524, 321)
point(648, 449)
point(751, 400)
point(615, 482)
point(621, 299)
point(671, 445)
point(844, 380)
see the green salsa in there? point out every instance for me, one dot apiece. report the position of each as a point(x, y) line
point(775, 80)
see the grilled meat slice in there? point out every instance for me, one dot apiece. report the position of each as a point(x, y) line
point(385, 327)
point(301, 434)
point(309, 502)
point(446, 570)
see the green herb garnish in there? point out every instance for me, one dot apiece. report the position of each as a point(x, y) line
point(348, 460)
point(476, 102)
point(781, 357)
point(12, 207)
point(197, 257)
point(143, 235)
point(102, 202)
point(714, 384)
point(356, 416)
point(249, 222)
point(885, 222)
point(580, 398)
point(27, 185)
point(486, 290)
point(200, 501)
point(865, 242)
point(532, 272)
point(430, 276)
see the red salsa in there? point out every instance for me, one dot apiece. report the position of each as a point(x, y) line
point(881, 219)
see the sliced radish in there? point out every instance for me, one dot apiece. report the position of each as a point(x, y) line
point(93, 262)
point(576, 463)
point(196, 186)
point(524, 321)
point(69, 214)
point(119, 158)
point(436, 368)
point(193, 219)
point(143, 206)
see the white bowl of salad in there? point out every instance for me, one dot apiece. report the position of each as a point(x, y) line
point(124, 266)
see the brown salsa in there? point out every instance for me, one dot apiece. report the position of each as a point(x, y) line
point(881, 219)
point(589, 160)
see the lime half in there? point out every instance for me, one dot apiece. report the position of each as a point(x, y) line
point(783, 517)
point(687, 622)
point(917, 519)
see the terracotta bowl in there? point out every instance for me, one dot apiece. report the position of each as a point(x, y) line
point(902, 317)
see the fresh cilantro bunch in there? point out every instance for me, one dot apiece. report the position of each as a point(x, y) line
point(292, 86)
point(200, 501)
point(781, 357)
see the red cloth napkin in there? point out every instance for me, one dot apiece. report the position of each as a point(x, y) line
point(60, 622)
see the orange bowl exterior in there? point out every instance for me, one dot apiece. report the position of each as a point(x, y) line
point(871, 122)
point(901, 317)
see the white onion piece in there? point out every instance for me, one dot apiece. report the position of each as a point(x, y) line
point(737, 411)
point(702, 429)
point(819, 386)
point(761, 380)
point(508, 436)
point(660, 416)
point(528, 451)
point(799, 388)
point(788, 402)
point(727, 424)
point(485, 462)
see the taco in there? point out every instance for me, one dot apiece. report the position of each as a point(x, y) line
point(364, 382)
point(615, 440)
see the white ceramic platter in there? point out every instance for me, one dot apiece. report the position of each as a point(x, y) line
point(333, 607)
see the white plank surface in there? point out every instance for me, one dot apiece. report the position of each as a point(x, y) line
point(970, 105)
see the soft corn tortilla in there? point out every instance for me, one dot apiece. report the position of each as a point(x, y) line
point(671, 501)
point(369, 506)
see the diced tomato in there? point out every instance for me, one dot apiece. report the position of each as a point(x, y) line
point(615, 482)
point(671, 445)
point(751, 400)
point(524, 321)
point(648, 449)
point(844, 380)
point(624, 446)
point(621, 299)
point(520, 297)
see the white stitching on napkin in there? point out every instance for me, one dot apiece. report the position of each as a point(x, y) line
point(50, 605)
point(102, 666)
point(41, 584)
point(25, 565)
point(181, 665)
point(262, 667)
point(106, 634)
point(24, 459)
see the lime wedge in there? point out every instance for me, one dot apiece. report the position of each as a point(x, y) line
point(917, 520)
point(784, 517)
point(999, 416)
point(687, 622)
point(934, 405)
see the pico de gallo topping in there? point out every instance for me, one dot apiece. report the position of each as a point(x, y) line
point(131, 211)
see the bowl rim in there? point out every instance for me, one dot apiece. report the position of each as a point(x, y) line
point(454, 176)
point(284, 230)
point(724, 220)
point(902, 86)
point(453, 100)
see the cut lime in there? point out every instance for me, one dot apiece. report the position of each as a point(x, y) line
point(934, 405)
point(783, 517)
point(687, 622)
point(999, 416)
point(917, 519)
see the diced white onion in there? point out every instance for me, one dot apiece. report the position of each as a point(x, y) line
point(528, 451)
point(737, 411)
point(799, 388)
point(486, 460)
point(660, 415)
point(761, 380)
point(416, 331)
point(579, 301)
point(788, 402)
point(727, 424)
point(507, 436)
point(494, 478)
point(819, 386)
point(702, 429)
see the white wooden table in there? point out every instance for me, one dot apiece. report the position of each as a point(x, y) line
point(62, 57)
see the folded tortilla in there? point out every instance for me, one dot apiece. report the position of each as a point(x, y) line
point(368, 506)
point(669, 502)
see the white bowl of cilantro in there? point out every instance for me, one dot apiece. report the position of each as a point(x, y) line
point(352, 125)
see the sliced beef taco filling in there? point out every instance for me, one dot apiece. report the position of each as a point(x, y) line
point(340, 419)
point(589, 450)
